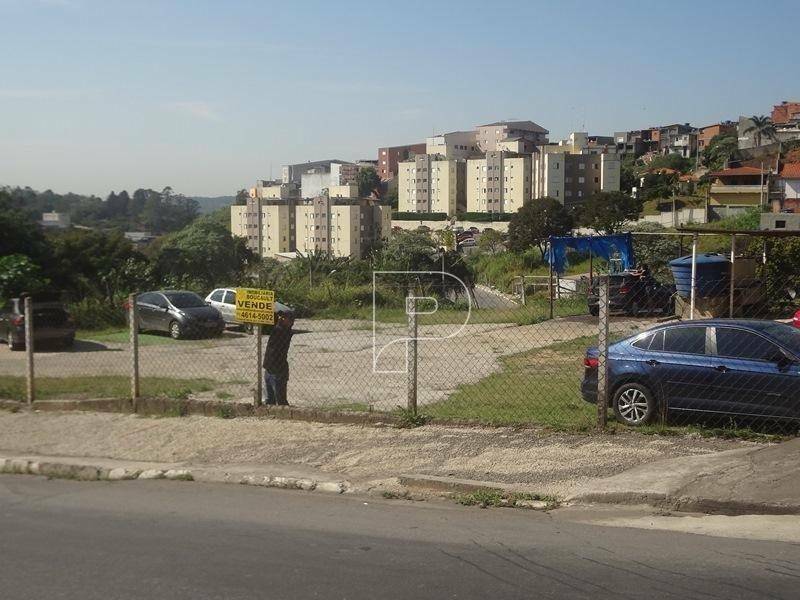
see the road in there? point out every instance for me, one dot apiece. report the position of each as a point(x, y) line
point(72, 540)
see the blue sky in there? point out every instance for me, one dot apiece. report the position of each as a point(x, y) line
point(206, 96)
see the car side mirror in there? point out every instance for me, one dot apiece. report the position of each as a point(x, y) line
point(783, 361)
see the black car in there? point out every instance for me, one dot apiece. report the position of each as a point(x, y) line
point(51, 324)
point(723, 366)
point(632, 293)
point(179, 313)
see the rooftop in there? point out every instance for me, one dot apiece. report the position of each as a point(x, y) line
point(790, 170)
point(526, 125)
point(738, 171)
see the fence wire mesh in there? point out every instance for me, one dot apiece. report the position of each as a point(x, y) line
point(523, 353)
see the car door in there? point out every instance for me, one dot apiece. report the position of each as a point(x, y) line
point(145, 308)
point(215, 299)
point(753, 376)
point(684, 370)
point(228, 308)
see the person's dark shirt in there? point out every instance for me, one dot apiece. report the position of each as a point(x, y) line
point(275, 356)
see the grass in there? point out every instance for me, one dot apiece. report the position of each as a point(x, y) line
point(102, 386)
point(351, 407)
point(122, 336)
point(485, 498)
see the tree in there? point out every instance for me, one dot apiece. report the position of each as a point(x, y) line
point(627, 174)
point(719, 150)
point(607, 212)
point(536, 221)
point(18, 273)
point(445, 238)
point(762, 127)
point(659, 185)
point(241, 198)
point(490, 241)
point(655, 251)
point(368, 182)
point(671, 161)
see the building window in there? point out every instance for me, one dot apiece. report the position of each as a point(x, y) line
point(780, 224)
point(597, 180)
point(580, 180)
point(581, 166)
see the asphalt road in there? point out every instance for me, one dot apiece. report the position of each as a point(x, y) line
point(71, 540)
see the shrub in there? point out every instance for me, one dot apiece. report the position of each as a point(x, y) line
point(94, 313)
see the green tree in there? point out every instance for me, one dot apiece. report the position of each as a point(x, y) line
point(368, 182)
point(241, 198)
point(659, 185)
point(607, 212)
point(202, 255)
point(761, 127)
point(536, 221)
point(671, 161)
point(719, 150)
point(627, 174)
point(20, 232)
point(490, 241)
point(655, 251)
point(18, 273)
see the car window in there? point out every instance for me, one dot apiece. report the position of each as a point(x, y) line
point(216, 296)
point(160, 301)
point(738, 343)
point(686, 340)
point(653, 341)
point(185, 300)
point(148, 298)
point(230, 297)
point(785, 334)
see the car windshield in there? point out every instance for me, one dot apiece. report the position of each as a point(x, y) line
point(785, 335)
point(185, 300)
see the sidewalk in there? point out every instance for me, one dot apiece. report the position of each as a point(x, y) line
point(761, 480)
point(367, 457)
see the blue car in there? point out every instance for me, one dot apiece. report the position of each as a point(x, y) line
point(726, 367)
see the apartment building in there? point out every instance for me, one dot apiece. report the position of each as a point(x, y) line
point(274, 190)
point(341, 227)
point(786, 112)
point(678, 139)
point(574, 178)
point(500, 182)
point(320, 178)
point(489, 136)
point(709, 132)
point(294, 173)
point(638, 142)
point(429, 183)
point(277, 225)
point(456, 144)
point(390, 156)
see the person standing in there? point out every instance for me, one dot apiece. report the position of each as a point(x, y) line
point(276, 363)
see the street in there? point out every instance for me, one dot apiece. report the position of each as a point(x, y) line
point(73, 540)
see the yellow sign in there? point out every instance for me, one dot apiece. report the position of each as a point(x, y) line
point(255, 306)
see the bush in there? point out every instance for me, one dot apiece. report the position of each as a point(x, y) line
point(484, 217)
point(93, 313)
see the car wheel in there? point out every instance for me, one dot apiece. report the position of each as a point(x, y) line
point(634, 404)
point(175, 330)
point(14, 346)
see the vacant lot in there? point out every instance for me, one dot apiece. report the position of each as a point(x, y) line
point(340, 363)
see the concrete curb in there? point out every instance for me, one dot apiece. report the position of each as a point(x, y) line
point(115, 470)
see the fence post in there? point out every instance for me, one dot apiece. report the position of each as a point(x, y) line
point(257, 391)
point(133, 324)
point(28, 309)
point(602, 359)
point(411, 350)
point(522, 277)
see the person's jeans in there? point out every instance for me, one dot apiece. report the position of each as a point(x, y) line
point(275, 385)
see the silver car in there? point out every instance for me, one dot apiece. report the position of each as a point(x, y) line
point(224, 300)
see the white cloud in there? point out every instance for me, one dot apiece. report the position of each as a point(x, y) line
point(195, 108)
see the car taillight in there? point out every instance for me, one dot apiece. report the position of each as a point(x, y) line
point(624, 289)
point(18, 320)
point(590, 363)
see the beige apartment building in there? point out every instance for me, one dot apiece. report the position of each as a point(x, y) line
point(456, 144)
point(489, 136)
point(431, 184)
point(573, 178)
point(341, 227)
point(277, 225)
point(498, 183)
point(274, 190)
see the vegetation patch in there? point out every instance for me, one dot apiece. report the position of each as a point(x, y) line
point(496, 498)
point(13, 387)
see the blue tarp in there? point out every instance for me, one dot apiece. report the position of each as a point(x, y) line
point(604, 246)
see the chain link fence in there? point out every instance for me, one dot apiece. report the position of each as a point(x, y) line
point(438, 347)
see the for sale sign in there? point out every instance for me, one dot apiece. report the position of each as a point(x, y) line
point(255, 306)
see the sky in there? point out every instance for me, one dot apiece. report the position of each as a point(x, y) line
point(208, 96)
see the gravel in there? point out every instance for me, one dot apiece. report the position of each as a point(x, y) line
point(542, 461)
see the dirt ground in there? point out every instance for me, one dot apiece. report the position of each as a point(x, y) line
point(546, 462)
point(333, 362)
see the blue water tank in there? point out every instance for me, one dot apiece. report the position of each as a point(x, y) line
point(713, 275)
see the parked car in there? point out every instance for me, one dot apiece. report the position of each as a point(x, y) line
point(51, 324)
point(224, 300)
point(179, 313)
point(722, 366)
point(632, 293)
point(796, 319)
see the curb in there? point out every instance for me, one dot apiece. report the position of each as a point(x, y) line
point(81, 471)
point(686, 503)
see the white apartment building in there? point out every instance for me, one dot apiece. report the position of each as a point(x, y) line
point(500, 182)
point(429, 184)
point(456, 144)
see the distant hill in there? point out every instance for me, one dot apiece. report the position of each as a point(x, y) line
point(208, 204)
